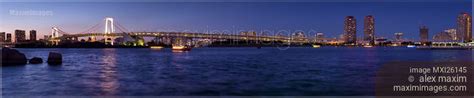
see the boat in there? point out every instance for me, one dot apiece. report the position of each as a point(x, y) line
point(411, 46)
point(181, 47)
point(156, 47)
point(316, 46)
point(368, 46)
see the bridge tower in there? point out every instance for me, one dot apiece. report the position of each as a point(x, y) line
point(54, 35)
point(54, 32)
point(109, 28)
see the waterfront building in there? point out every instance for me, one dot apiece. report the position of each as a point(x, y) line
point(319, 37)
point(20, 36)
point(452, 33)
point(298, 35)
point(369, 29)
point(398, 36)
point(248, 33)
point(424, 34)
point(381, 40)
point(2, 36)
point(9, 38)
point(32, 35)
point(464, 27)
point(350, 25)
point(442, 37)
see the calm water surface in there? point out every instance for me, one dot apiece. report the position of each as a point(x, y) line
point(211, 71)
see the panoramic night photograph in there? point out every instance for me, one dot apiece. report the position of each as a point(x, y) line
point(237, 48)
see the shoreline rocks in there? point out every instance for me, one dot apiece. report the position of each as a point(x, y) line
point(36, 60)
point(12, 57)
point(55, 58)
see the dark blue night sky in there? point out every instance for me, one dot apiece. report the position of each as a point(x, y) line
point(310, 17)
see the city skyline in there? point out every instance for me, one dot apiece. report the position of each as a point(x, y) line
point(237, 48)
point(224, 19)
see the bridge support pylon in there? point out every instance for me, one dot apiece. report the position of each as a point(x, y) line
point(54, 35)
point(109, 28)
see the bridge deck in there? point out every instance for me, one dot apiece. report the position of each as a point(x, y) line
point(193, 35)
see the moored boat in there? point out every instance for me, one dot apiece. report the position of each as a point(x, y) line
point(156, 47)
point(181, 47)
point(368, 46)
point(316, 46)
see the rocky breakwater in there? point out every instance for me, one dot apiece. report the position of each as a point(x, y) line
point(55, 58)
point(12, 57)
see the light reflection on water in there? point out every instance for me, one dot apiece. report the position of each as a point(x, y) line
point(109, 83)
point(211, 71)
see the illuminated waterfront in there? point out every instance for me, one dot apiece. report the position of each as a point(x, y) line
point(237, 48)
point(212, 71)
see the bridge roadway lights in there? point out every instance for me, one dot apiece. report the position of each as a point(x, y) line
point(169, 37)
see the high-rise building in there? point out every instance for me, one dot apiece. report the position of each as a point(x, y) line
point(350, 30)
point(32, 35)
point(423, 34)
point(2, 36)
point(20, 36)
point(369, 29)
point(398, 36)
point(464, 27)
point(9, 37)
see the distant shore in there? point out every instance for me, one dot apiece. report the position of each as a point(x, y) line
point(213, 44)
